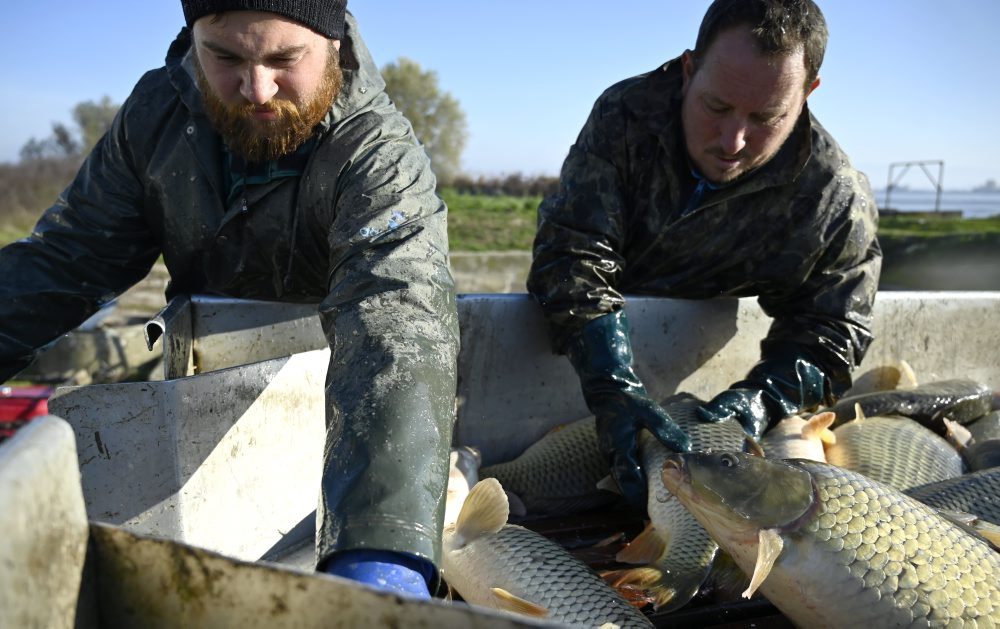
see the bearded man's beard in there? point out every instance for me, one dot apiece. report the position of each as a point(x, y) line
point(258, 140)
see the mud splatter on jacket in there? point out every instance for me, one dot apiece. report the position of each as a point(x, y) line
point(800, 233)
point(361, 232)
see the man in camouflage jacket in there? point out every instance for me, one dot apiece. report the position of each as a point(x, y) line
point(710, 177)
point(345, 216)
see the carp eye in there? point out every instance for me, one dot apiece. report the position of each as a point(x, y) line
point(729, 460)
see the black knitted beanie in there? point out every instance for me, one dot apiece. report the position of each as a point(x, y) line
point(326, 17)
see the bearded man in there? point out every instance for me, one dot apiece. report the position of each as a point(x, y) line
point(266, 161)
point(709, 177)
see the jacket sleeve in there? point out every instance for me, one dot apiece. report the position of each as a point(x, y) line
point(85, 250)
point(577, 258)
point(391, 321)
point(827, 319)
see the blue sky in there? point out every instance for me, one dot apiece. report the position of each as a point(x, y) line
point(903, 80)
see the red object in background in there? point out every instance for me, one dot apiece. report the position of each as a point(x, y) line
point(19, 404)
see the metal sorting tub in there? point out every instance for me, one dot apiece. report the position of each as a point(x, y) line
point(223, 455)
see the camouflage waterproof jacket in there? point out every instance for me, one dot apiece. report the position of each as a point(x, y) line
point(361, 232)
point(799, 233)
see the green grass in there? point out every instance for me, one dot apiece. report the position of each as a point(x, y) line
point(928, 225)
point(478, 222)
point(490, 223)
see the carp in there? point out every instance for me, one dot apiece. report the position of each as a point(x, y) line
point(510, 568)
point(558, 474)
point(960, 400)
point(977, 493)
point(832, 548)
point(675, 549)
point(894, 450)
point(797, 438)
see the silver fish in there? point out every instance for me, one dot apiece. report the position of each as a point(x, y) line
point(558, 474)
point(797, 438)
point(675, 549)
point(507, 567)
point(832, 548)
point(963, 401)
point(894, 450)
point(977, 493)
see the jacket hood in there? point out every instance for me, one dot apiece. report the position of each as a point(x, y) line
point(362, 79)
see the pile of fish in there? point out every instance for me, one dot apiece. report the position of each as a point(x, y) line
point(884, 507)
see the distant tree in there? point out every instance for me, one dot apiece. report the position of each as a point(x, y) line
point(436, 116)
point(93, 119)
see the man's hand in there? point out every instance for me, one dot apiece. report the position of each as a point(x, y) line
point(619, 420)
point(773, 390)
point(601, 353)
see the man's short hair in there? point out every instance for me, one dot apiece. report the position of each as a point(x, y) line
point(777, 27)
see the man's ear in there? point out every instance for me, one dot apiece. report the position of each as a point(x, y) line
point(687, 68)
point(812, 87)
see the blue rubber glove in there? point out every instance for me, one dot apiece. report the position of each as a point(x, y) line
point(398, 573)
point(601, 353)
point(773, 390)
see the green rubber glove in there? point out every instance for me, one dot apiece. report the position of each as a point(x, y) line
point(773, 389)
point(601, 353)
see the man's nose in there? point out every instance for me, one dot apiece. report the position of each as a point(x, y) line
point(258, 84)
point(734, 133)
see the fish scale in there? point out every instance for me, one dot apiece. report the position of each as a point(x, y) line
point(559, 473)
point(481, 553)
point(912, 564)
point(846, 549)
point(977, 493)
point(917, 455)
point(690, 552)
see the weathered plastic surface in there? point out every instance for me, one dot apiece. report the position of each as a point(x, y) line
point(512, 389)
point(228, 460)
point(137, 581)
point(43, 526)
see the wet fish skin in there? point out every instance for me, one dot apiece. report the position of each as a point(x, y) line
point(977, 493)
point(894, 450)
point(797, 438)
point(482, 552)
point(984, 450)
point(961, 400)
point(559, 473)
point(832, 548)
point(677, 551)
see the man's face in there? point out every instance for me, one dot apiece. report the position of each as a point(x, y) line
point(739, 106)
point(266, 81)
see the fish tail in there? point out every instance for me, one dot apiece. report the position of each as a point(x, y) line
point(647, 579)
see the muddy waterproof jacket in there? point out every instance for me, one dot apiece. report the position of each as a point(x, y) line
point(800, 233)
point(361, 232)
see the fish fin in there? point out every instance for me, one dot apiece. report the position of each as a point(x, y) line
point(957, 434)
point(647, 578)
point(992, 536)
point(608, 483)
point(509, 602)
point(754, 447)
point(647, 547)
point(907, 377)
point(484, 512)
point(859, 414)
point(818, 427)
point(768, 548)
